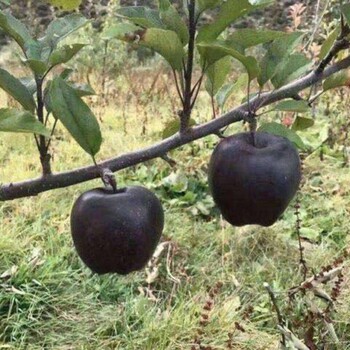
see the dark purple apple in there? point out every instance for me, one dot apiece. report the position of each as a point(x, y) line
point(116, 231)
point(253, 178)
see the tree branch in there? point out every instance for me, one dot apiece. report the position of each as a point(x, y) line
point(64, 179)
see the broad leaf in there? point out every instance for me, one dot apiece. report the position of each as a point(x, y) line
point(6, 2)
point(338, 79)
point(17, 90)
point(291, 68)
point(345, 9)
point(82, 89)
point(292, 106)
point(66, 73)
point(210, 53)
point(37, 66)
point(302, 123)
point(15, 29)
point(66, 4)
point(172, 20)
point(29, 83)
point(247, 37)
point(227, 90)
point(13, 120)
point(121, 31)
point(166, 43)
point(59, 29)
point(75, 115)
point(64, 54)
point(328, 43)
point(142, 16)
point(280, 130)
point(216, 75)
point(277, 52)
point(204, 5)
point(230, 10)
point(224, 94)
point(173, 127)
point(33, 50)
point(47, 98)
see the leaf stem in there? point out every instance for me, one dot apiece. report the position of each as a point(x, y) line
point(178, 87)
point(52, 131)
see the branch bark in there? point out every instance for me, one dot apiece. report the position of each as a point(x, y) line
point(33, 187)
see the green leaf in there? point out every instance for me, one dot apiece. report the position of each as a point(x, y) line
point(210, 53)
point(292, 106)
point(142, 16)
point(66, 73)
point(277, 52)
point(216, 75)
point(59, 29)
point(47, 98)
point(82, 89)
point(310, 233)
point(37, 66)
point(229, 11)
point(121, 31)
point(223, 94)
point(172, 20)
point(204, 5)
point(75, 115)
point(173, 127)
point(29, 83)
point(15, 29)
point(33, 50)
point(227, 90)
point(345, 9)
point(176, 182)
point(64, 54)
point(6, 2)
point(13, 120)
point(302, 123)
point(65, 4)
point(280, 130)
point(338, 79)
point(328, 43)
point(292, 68)
point(166, 43)
point(247, 37)
point(17, 90)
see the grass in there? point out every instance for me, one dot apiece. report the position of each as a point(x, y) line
point(49, 300)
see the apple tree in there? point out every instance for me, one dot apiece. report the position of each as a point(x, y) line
point(280, 76)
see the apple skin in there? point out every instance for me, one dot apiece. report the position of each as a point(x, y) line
point(116, 232)
point(251, 180)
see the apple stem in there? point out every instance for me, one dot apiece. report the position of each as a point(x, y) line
point(251, 119)
point(108, 178)
point(252, 133)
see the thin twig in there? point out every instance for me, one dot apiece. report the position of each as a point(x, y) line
point(52, 131)
point(178, 87)
point(195, 96)
point(281, 321)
